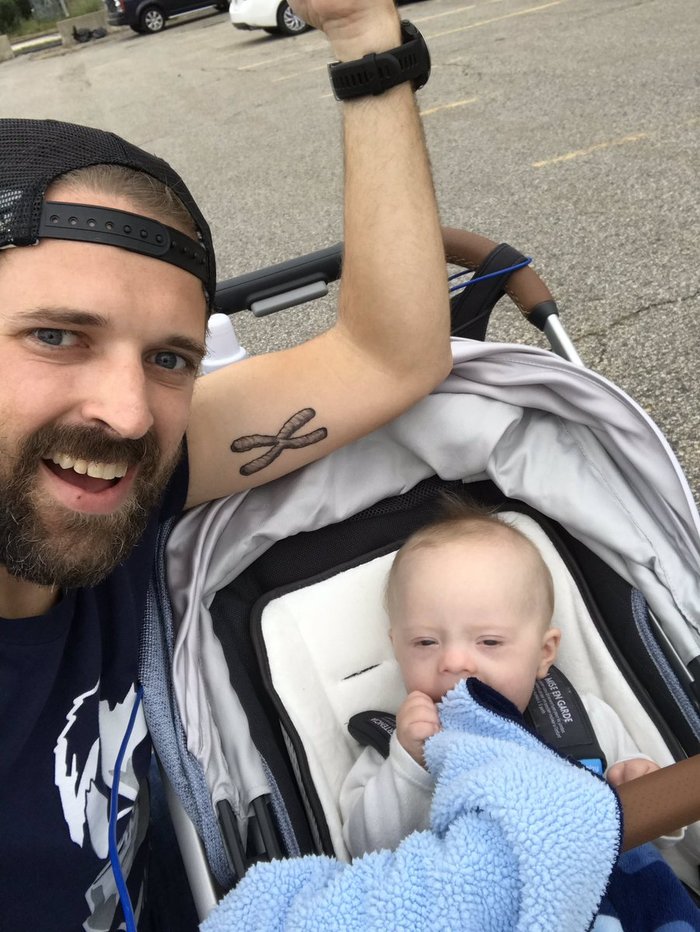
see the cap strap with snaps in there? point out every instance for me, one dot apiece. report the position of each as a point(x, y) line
point(88, 224)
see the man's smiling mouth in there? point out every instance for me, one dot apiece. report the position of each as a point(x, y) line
point(89, 467)
point(88, 475)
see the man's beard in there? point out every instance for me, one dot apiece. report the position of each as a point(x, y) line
point(42, 541)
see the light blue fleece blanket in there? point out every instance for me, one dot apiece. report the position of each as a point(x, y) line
point(520, 839)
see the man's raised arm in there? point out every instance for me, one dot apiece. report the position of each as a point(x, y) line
point(390, 344)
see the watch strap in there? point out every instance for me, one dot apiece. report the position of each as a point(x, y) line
point(379, 71)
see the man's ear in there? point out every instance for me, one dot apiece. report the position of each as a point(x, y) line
point(550, 647)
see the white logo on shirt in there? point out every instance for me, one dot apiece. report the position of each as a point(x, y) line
point(85, 803)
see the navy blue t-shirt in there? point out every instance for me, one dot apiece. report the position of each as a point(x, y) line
point(68, 682)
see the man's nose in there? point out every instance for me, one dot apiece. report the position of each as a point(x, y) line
point(117, 397)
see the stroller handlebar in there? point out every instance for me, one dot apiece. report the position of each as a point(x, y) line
point(296, 281)
point(272, 283)
point(272, 286)
point(525, 288)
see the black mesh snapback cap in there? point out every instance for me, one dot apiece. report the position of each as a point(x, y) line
point(34, 153)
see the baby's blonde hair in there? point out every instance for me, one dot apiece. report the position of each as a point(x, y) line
point(460, 519)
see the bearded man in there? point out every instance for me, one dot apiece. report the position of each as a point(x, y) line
point(107, 276)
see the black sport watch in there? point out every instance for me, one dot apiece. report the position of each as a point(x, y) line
point(379, 71)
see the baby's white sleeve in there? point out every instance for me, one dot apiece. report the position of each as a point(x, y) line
point(616, 742)
point(384, 800)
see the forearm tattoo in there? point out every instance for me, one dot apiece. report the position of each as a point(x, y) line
point(283, 440)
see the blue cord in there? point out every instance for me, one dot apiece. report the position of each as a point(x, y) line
point(113, 813)
point(482, 278)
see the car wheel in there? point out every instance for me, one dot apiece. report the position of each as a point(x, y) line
point(151, 19)
point(136, 28)
point(288, 23)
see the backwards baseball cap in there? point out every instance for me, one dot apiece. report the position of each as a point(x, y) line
point(34, 153)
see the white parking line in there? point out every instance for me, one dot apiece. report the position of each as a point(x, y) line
point(578, 153)
point(496, 19)
point(462, 9)
point(269, 61)
point(295, 74)
point(455, 103)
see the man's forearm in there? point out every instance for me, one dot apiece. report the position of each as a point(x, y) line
point(394, 293)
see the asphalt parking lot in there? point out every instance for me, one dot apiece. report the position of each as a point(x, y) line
point(567, 127)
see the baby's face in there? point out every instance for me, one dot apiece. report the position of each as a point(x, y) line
point(465, 608)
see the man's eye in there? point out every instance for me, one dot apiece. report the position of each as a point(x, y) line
point(53, 336)
point(172, 361)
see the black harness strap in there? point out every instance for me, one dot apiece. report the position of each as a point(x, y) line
point(555, 712)
point(373, 729)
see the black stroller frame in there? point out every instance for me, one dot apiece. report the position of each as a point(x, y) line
point(499, 270)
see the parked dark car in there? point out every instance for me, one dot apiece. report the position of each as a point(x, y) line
point(150, 15)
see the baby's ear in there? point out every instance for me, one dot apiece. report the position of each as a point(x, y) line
point(550, 647)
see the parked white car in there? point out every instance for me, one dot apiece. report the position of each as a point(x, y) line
point(274, 16)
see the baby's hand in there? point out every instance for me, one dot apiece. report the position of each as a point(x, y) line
point(628, 770)
point(416, 720)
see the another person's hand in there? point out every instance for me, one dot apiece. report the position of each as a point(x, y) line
point(416, 720)
point(628, 770)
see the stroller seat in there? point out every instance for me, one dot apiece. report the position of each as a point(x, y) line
point(336, 629)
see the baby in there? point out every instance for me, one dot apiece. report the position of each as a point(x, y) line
point(467, 596)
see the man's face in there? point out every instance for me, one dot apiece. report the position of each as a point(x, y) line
point(99, 350)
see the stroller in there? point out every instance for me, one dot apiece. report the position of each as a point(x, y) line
point(274, 628)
